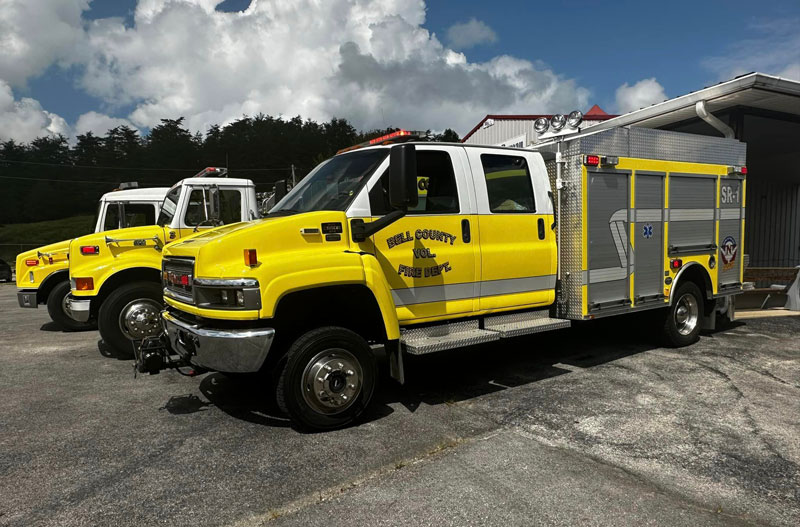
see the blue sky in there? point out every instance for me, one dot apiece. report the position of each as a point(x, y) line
point(615, 54)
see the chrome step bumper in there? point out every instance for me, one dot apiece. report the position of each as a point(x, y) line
point(231, 351)
point(78, 309)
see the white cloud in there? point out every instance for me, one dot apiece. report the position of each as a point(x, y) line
point(24, 120)
point(36, 33)
point(370, 61)
point(470, 33)
point(773, 47)
point(98, 123)
point(644, 93)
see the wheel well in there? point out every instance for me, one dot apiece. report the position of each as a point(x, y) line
point(49, 283)
point(137, 274)
point(697, 273)
point(349, 306)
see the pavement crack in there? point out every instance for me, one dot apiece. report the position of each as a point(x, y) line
point(323, 495)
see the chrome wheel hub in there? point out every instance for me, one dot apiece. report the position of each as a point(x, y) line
point(332, 381)
point(140, 318)
point(686, 314)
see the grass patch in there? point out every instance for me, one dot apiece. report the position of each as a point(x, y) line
point(18, 237)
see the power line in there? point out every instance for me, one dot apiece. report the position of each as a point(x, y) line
point(139, 169)
point(62, 180)
point(93, 166)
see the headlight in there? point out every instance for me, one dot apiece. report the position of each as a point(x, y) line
point(557, 122)
point(236, 293)
point(575, 118)
point(541, 125)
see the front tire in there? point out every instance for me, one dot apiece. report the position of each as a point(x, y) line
point(681, 325)
point(328, 379)
point(57, 309)
point(131, 312)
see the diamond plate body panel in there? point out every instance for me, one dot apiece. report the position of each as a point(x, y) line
point(524, 323)
point(419, 341)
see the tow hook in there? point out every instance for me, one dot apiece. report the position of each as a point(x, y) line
point(153, 355)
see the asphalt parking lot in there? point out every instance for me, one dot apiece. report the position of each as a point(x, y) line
point(589, 426)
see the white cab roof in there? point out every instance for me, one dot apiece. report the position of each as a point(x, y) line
point(136, 194)
point(219, 181)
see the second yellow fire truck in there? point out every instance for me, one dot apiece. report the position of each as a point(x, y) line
point(423, 247)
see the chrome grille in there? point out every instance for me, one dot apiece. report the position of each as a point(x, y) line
point(177, 276)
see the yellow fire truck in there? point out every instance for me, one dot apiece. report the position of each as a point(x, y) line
point(42, 275)
point(115, 275)
point(351, 257)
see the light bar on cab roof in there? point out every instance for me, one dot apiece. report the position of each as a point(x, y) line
point(212, 171)
point(397, 136)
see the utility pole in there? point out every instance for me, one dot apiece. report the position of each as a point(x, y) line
point(293, 180)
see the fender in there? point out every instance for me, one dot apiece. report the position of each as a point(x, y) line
point(677, 278)
point(347, 268)
point(50, 282)
point(114, 257)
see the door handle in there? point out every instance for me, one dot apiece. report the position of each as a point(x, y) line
point(465, 234)
point(541, 228)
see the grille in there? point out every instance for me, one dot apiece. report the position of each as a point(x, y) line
point(177, 276)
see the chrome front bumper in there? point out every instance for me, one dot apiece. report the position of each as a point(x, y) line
point(225, 350)
point(78, 309)
point(27, 299)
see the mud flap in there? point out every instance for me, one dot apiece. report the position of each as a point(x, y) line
point(395, 356)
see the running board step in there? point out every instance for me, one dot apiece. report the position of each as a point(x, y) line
point(442, 337)
point(526, 323)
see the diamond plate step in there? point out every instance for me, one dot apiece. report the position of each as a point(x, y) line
point(419, 341)
point(526, 323)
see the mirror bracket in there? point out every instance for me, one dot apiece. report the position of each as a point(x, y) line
point(361, 230)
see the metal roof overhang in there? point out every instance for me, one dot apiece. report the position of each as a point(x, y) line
point(755, 90)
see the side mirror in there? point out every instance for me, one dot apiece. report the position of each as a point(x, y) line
point(403, 176)
point(281, 189)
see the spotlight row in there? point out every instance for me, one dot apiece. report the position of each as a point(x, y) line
point(557, 122)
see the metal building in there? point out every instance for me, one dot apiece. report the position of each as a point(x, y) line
point(761, 110)
point(517, 130)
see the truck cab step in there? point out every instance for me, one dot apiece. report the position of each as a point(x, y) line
point(517, 324)
point(419, 341)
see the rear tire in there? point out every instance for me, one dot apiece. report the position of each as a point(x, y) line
point(327, 380)
point(56, 308)
point(682, 321)
point(131, 312)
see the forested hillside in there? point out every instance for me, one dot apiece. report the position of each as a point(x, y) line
point(50, 179)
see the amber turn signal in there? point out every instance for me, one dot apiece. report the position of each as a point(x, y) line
point(250, 257)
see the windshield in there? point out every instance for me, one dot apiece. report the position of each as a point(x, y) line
point(169, 207)
point(334, 183)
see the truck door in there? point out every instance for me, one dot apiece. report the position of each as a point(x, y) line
point(429, 256)
point(515, 218)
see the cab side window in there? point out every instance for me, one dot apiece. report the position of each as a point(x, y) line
point(230, 204)
point(436, 186)
point(508, 183)
point(138, 214)
point(112, 217)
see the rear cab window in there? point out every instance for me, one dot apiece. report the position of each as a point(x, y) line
point(508, 184)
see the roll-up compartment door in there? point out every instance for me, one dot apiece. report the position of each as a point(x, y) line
point(730, 231)
point(607, 237)
point(692, 202)
point(648, 240)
